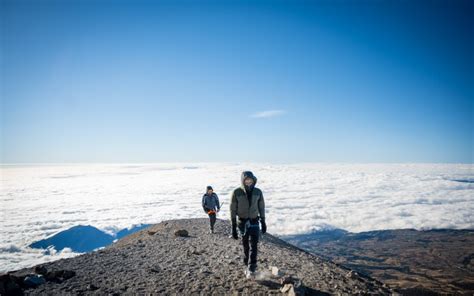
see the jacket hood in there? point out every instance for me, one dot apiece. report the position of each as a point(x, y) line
point(248, 174)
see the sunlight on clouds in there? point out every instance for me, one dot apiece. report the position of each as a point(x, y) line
point(39, 201)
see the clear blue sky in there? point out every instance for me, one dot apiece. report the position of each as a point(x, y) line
point(320, 81)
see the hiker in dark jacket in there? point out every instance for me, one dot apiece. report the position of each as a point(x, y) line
point(248, 204)
point(211, 205)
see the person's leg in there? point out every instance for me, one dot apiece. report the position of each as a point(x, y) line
point(245, 243)
point(254, 233)
point(212, 221)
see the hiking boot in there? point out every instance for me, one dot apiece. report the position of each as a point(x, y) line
point(250, 275)
point(211, 231)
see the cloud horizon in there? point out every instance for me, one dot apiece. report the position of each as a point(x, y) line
point(41, 200)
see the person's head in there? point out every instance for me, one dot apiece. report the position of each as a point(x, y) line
point(248, 180)
point(209, 190)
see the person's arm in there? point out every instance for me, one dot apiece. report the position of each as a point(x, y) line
point(204, 203)
point(233, 214)
point(233, 207)
point(261, 209)
point(218, 203)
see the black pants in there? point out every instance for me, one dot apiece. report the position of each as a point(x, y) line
point(250, 243)
point(212, 220)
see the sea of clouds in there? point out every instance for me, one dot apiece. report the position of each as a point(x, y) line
point(39, 201)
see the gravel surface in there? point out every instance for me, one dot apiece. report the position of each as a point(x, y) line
point(156, 261)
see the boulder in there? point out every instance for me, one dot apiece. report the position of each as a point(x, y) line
point(92, 287)
point(352, 274)
point(41, 270)
point(10, 284)
point(59, 276)
point(33, 280)
point(292, 286)
point(286, 288)
point(67, 274)
point(286, 280)
point(181, 233)
point(275, 271)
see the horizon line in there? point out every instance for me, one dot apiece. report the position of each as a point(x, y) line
point(222, 162)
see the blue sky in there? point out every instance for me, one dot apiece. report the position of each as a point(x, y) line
point(280, 81)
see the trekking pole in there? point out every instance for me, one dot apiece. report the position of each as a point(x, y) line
point(220, 207)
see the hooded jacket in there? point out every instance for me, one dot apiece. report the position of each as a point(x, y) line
point(241, 206)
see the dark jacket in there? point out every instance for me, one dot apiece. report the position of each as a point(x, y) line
point(210, 202)
point(244, 207)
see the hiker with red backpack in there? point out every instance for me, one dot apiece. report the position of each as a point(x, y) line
point(211, 206)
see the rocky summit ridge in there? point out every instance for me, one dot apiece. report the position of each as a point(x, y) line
point(181, 257)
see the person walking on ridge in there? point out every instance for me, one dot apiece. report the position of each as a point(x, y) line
point(248, 205)
point(211, 206)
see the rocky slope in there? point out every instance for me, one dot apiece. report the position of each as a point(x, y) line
point(157, 260)
point(414, 262)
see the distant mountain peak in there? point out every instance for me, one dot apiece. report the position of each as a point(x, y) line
point(83, 238)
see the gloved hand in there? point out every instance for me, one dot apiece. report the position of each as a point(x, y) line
point(205, 210)
point(264, 226)
point(234, 229)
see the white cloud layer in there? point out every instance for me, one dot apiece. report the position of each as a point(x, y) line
point(268, 114)
point(38, 201)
